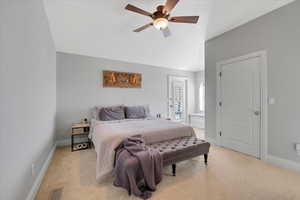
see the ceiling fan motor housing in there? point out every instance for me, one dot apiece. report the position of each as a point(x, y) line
point(159, 13)
point(160, 8)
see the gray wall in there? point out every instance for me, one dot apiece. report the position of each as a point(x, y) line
point(79, 88)
point(27, 94)
point(279, 34)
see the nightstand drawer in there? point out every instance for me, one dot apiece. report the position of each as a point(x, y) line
point(78, 130)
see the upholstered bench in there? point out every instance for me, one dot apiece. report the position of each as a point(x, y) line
point(174, 151)
point(177, 150)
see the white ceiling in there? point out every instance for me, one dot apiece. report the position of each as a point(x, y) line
point(103, 28)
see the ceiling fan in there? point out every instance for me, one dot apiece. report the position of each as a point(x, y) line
point(161, 17)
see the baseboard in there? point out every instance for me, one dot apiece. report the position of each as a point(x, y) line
point(36, 185)
point(63, 142)
point(212, 141)
point(291, 165)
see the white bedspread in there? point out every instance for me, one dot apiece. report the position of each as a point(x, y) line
point(106, 136)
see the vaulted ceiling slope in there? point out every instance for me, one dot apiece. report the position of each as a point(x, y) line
point(228, 14)
point(103, 28)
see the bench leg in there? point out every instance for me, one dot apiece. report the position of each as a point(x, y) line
point(174, 169)
point(205, 158)
point(72, 143)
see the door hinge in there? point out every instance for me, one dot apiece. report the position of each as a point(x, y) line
point(220, 133)
point(220, 103)
point(220, 74)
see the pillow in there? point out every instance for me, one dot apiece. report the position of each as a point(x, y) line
point(147, 110)
point(135, 112)
point(111, 113)
point(96, 110)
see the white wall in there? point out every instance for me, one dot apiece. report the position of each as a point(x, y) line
point(27, 95)
point(79, 88)
point(279, 34)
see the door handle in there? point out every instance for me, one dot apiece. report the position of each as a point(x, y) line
point(257, 113)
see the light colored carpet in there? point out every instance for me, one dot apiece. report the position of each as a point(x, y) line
point(229, 176)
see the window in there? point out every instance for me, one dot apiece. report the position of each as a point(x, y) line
point(201, 97)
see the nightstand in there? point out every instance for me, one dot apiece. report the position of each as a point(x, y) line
point(80, 130)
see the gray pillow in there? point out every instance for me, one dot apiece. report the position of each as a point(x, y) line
point(135, 112)
point(112, 113)
point(96, 110)
point(147, 110)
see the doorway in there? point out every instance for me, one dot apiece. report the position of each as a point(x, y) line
point(177, 98)
point(241, 104)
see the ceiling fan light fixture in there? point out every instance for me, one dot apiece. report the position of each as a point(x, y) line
point(160, 23)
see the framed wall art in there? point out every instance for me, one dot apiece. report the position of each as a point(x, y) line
point(113, 79)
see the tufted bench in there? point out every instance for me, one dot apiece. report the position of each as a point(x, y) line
point(177, 150)
point(181, 149)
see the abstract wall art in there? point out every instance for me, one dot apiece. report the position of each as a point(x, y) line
point(113, 79)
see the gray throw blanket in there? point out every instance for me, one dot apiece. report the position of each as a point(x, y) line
point(138, 168)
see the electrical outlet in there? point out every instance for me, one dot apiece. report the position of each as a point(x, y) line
point(33, 169)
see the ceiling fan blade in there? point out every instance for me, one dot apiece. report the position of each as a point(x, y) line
point(143, 27)
point(166, 32)
point(137, 10)
point(185, 19)
point(170, 4)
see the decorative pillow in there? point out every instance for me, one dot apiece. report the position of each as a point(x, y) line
point(95, 111)
point(135, 112)
point(147, 110)
point(111, 113)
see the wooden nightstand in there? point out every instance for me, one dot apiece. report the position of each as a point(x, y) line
point(80, 130)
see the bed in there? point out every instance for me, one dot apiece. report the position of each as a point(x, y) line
point(107, 135)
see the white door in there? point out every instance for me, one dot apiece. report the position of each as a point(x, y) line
point(177, 98)
point(240, 105)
